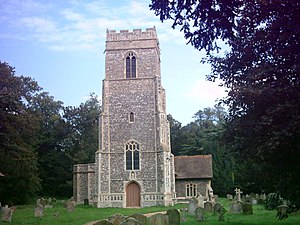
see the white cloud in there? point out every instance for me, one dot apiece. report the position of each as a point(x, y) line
point(38, 24)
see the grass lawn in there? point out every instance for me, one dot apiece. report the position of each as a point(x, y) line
point(83, 214)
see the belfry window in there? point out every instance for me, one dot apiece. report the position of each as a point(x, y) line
point(191, 190)
point(130, 65)
point(131, 117)
point(132, 155)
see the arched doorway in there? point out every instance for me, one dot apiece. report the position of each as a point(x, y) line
point(133, 195)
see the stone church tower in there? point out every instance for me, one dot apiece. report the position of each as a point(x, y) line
point(134, 164)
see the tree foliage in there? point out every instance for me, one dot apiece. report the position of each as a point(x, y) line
point(261, 70)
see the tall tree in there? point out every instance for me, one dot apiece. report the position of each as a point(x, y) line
point(261, 70)
point(18, 159)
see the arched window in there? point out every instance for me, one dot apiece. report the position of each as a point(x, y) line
point(191, 190)
point(132, 155)
point(130, 65)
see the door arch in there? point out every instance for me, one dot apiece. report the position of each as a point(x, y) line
point(133, 195)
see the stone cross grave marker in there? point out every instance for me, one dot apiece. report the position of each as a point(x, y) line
point(238, 193)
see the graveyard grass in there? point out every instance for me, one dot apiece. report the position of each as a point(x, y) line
point(84, 214)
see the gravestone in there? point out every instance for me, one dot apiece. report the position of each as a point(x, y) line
point(0, 208)
point(222, 211)
point(49, 203)
point(140, 217)
point(193, 204)
point(254, 201)
point(238, 193)
point(229, 197)
point(42, 202)
point(208, 206)
point(247, 208)
point(116, 219)
point(158, 219)
point(199, 214)
point(130, 221)
point(38, 211)
point(236, 208)
point(7, 213)
point(103, 222)
point(216, 197)
point(70, 206)
point(183, 212)
point(200, 201)
point(282, 212)
point(217, 208)
point(174, 216)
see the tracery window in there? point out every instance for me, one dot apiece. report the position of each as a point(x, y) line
point(130, 65)
point(132, 155)
point(191, 190)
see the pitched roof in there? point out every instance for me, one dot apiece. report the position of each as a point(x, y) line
point(191, 167)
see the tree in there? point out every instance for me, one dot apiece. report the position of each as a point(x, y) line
point(18, 159)
point(261, 70)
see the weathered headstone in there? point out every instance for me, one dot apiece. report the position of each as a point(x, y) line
point(39, 210)
point(116, 219)
point(183, 212)
point(229, 197)
point(199, 214)
point(217, 208)
point(174, 216)
point(247, 208)
point(130, 221)
point(208, 206)
point(43, 202)
point(70, 206)
point(193, 204)
point(236, 208)
point(158, 219)
point(282, 212)
point(200, 201)
point(49, 203)
point(140, 217)
point(222, 211)
point(103, 222)
point(216, 197)
point(7, 213)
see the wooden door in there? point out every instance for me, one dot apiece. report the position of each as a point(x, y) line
point(133, 195)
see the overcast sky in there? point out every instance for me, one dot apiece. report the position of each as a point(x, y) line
point(61, 43)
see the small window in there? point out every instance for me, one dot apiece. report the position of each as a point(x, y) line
point(191, 190)
point(131, 117)
point(132, 154)
point(130, 66)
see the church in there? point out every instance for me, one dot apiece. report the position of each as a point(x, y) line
point(134, 164)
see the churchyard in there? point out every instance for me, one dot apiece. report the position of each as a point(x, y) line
point(65, 212)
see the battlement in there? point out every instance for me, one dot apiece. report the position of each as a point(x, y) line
point(135, 34)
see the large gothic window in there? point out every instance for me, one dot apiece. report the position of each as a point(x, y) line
point(191, 190)
point(132, 155)
point(130, 65)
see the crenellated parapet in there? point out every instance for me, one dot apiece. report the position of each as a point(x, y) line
point(135, 34)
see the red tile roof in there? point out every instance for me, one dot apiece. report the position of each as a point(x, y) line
point(192, 167)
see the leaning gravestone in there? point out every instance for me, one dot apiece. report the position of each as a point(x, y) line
point(247, 208)
point(174, 216)
point(7, 213)
point(193, 204)
point(158, 219)
point(282, 212)
point(130, 221)
point(140, 217)
point(103, 222)
point(236, 208)
point(199, 214)
point(38, 211)
point(208, 206)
